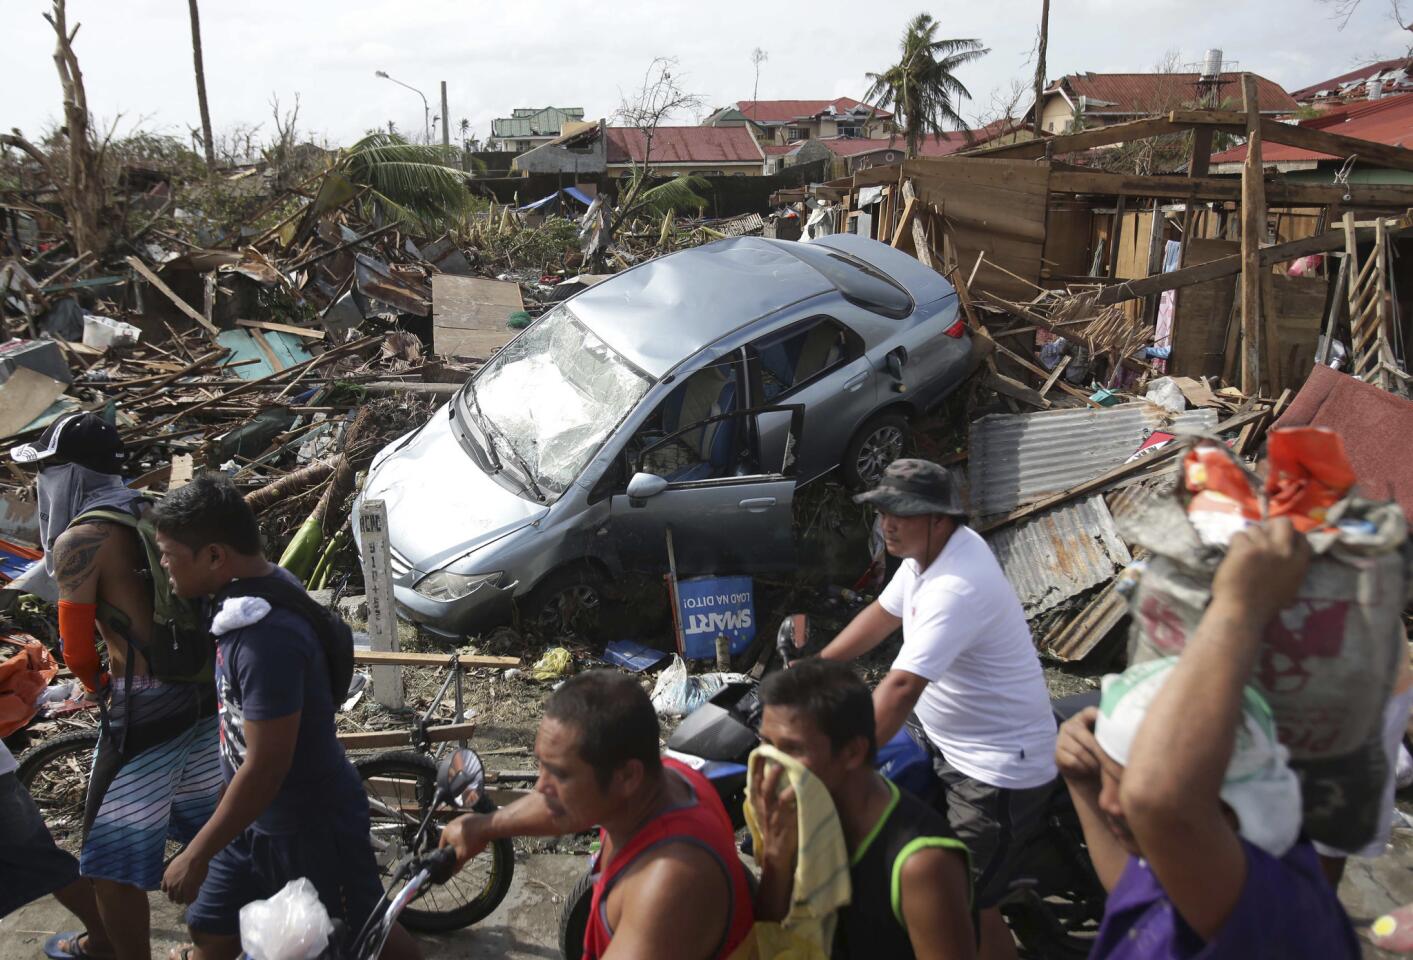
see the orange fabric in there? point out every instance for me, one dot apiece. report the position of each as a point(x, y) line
point(77, 622)
point(23, 678)
point(1307, 473)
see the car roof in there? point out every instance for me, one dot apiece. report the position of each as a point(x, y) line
point(664, 311)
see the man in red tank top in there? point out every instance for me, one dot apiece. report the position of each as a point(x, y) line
point(669, 882)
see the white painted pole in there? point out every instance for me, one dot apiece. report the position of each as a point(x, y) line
point(382, 613)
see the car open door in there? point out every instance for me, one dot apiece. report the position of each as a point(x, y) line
point(733, 517)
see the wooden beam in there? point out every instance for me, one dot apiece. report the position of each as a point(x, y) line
point(1054, 374)
point(921, 248)
point(167, 292)
point(1392, 196)
point(1253, 231)
point(281, 328)
point(1200, 154)
point(405, 659)
point(1308, 138)
point(383, 739)
point(905, 224)
point(1229, 266)
point(1084, 140)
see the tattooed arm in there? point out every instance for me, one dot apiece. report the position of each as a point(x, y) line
point(77, 559)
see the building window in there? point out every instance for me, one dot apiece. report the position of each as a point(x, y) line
point(851, 130)
point(798, 133)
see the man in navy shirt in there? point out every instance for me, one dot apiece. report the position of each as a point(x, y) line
point(293, 806)
point(1190, 811)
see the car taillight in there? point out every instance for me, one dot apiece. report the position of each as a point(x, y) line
point(955, 330)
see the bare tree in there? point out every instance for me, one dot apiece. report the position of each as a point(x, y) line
point(659, 98)
point(758, 56)
point(80, 181)
point(1344, 10)
point(1004, 105)
point(201, 86)
point(281, 152)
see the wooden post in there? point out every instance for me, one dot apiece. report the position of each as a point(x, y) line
point(1113, 257)
point(382, 612)
point(1253, 229)
point(922, 249)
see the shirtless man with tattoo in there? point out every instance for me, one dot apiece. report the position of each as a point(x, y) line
point(157, 771)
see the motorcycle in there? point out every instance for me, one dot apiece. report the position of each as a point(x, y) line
point(1053, 904)
point(461, 779)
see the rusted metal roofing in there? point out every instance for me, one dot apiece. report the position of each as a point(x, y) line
point(1078, 638)
point(1019, 458)
point(1059, 553)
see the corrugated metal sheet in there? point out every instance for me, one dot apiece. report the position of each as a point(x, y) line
point(1059, 553)
point(1087, 630)
point(1019, 458)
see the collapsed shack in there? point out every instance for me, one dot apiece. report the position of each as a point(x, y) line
point(1093, 293)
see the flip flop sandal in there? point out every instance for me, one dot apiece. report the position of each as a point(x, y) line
point(68, 946)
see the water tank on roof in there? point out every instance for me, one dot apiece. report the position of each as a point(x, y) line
point(1212, 65)
point(1376, 88)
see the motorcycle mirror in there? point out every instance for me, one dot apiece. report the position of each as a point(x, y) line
point(461, 777)
point(792, 636)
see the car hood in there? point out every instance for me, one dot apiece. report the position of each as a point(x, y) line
point(440, 504)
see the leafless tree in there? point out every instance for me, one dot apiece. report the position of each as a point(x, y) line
point(78, 180)
point(1004, 104)
point(758, 56)
point(201, 87)
point(658, 99)
point(1344, 10)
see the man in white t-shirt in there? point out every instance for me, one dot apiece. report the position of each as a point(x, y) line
point(967, 672)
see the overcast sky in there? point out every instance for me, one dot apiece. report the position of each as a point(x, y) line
point(136, 54)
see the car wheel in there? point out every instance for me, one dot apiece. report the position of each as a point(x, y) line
point(567, 603)
point(877, 443)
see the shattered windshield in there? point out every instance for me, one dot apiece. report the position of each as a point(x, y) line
point(550, 399)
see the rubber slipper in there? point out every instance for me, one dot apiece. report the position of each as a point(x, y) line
point(54, 947)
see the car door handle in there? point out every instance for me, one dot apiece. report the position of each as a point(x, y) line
point(757, 504)
point(856, 381)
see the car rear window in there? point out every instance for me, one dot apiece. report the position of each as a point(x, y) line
point(860, 283)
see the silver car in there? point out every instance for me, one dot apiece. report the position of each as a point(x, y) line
point(671, 409)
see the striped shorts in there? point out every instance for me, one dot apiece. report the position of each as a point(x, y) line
point(167, 791)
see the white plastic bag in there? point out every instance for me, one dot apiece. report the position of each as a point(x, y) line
point(1167, 394)
point(677, 693)
point(291, 925)
point(100, 333)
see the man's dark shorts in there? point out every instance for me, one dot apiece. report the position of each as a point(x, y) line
point(336, 857)
point(995, 823)
point(31, 866)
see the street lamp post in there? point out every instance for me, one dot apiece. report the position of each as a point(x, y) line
point(426, 108)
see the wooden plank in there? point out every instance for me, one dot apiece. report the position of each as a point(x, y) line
point(1337, 146)
point(1055, 374)
point(905, 224)
point(383, 739)
point(1084, 140)
point(167, 292)
point(408, 659)
point(1036, 369)
point(258, 338)
point(1393, 196)
point(1253, 231)
point(282, 328)
point(382, 612)
point(921, 248)
point(469, 314)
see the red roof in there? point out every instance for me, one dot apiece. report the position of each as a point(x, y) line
point(934, 145)
point(1146, 93)
point(1388, 120)
point(1363, 73)
point(684, 145)
point(778, 149)
point(783, 111)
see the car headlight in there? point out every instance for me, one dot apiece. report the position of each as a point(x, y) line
point(444, 586)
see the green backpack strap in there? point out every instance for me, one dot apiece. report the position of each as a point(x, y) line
point(109, 615)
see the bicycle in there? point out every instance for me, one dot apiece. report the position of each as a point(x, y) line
point(401, 787)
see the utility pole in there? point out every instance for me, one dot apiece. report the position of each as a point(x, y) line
point(1040, 63)
point(201, 88)
point(446, 121)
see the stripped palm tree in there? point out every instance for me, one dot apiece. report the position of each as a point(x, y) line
point(417, 184)
point(921, 89)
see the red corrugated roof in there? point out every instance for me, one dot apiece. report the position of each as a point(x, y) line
point(935, 145)
point(684, 145)
point(778, 149)
point(783, 111)
point(1363, 73)
point(1388, 121)
point(1145, 93)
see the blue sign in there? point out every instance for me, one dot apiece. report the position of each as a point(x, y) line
point(712, 606)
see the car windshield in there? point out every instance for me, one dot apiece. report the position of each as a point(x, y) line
point(549, 399)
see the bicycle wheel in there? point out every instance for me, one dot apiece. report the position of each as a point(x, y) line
point(56, 775)
point(400, 786)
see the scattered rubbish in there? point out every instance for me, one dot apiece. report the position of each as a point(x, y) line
point(677, 692)
point(632, 655)
point(556, 663)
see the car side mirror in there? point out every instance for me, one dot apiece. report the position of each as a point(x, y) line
point(895, 363)
point(645, 485)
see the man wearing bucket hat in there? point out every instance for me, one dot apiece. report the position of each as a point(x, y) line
point(156, 772)
point(967, 673)
point(1190, 810)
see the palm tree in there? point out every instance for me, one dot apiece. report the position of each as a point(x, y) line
point(201, 86)
point(921, 88)
point(410, 182)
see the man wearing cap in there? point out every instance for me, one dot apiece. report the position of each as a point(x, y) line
point(156, 772)
point(1190, 810)
point(967, 672)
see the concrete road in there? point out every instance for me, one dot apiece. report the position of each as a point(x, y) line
point(524, 927)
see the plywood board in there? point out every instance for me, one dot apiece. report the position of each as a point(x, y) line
point(1203, 312)
point(25, 395)
point(1300, 311)
point(469, 314)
